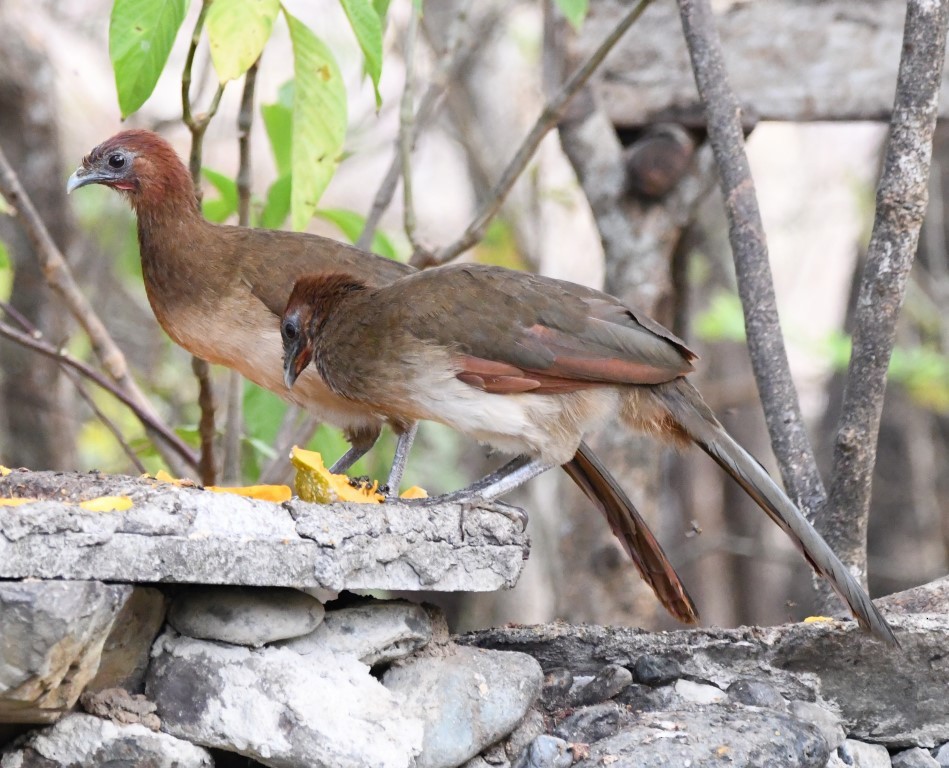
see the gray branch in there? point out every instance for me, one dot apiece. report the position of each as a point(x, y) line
point(902, 195)
point(755, 285)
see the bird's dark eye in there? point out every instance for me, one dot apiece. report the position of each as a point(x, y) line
point(289, 331)
point(116, 161)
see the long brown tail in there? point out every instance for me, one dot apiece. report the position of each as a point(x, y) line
point(599, 486)
point(696, 419)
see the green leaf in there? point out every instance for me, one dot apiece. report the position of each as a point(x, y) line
point(319, 120)
point(141, 33)
point(238, 30)
point(351, 224)
point(278, 121)
point(575, 11)
point(723, 320)
point(277, 204)
point(366, 22)
point(226, 205)
point(381, 7)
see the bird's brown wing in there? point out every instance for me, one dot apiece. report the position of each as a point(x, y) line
point(515, 332)
point(284, 257)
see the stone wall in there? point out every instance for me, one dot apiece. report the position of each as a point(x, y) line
point(133, 657)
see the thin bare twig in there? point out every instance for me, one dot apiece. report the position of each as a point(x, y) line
point(769, 361)
point(234, 423)
point(198, 124)
point(902, 196)
point(449, 62)
point(291, 433)
point(151, 423)
point(59, 277)
point(406, 130)
point(551, 115)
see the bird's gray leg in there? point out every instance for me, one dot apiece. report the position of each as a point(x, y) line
point(402, 448)
point(349, 458)
point(503, 480)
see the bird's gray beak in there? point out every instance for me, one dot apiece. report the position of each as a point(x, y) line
point(295, 360)
point(80, 178)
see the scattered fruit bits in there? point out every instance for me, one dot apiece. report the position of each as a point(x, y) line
point(414, 493)
point(314, 482)
point(276, 493)
point(16, 502)
point(107, 504)
point(4, 470)
point(817, 619)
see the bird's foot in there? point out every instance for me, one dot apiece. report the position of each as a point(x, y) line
point(512, 513)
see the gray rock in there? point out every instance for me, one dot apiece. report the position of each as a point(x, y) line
point(756, 693)
point(942, 755)
point(914, 758)
point(859, 754)
point(127, 648)
point(589, 724)
point(375, 633)
point(710, 737)
point(558, 683)
point(698, 693)
point(883, 695)
point(656, 670)
point(546, 752)
point(468, 699)
point(251, 616)
point(280, 708)
point(527, 730)
point(642, 698)
point(609, 681)
point(84, 740)
point(51, 639)
point(828, 723)
point(179, 534)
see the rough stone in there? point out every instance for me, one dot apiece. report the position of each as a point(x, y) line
point(709, 737)
point(859, 754)
point(914, 758)
point(557, 685)
point(698, 693)
point(546, 752)
point(181, 534)
point(527, 730)
point(610, 680)
point(643, 698)
point(51, 639)
point(119, 706)
point(79, 740)
point(589, 724)
point(251, 616)
point(867, 682)
point(828, 723)
point(756, 693)
point(126, 651)
point(656, 670)
point(468, 699)
point(942, 755)
point(377, 632)
point(280, 708)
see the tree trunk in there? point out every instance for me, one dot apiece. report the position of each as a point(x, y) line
point(37, 401)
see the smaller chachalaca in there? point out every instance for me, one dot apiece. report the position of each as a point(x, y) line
point(219, 290)
point(527, 365)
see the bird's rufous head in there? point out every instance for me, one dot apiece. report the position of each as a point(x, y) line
point(311, 302)
point(142, 165)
